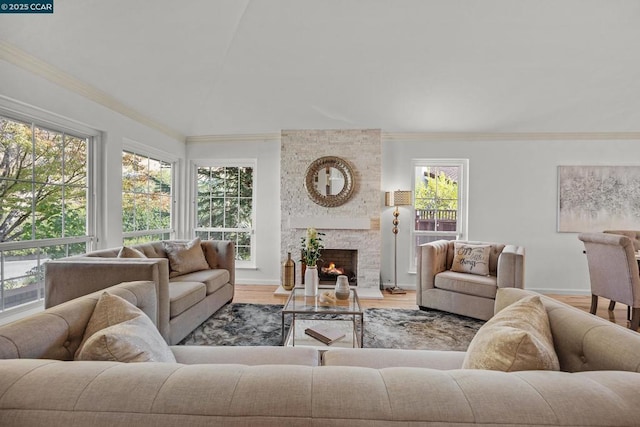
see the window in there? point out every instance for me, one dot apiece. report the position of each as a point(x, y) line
point(439, 202)
point(146, 198)
point(46, 210)
point(225, 207)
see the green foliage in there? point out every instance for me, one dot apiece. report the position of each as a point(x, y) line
point(437, 192)
point(311, 247)
point(43, 183)
point(225, 201)
point(146, 193)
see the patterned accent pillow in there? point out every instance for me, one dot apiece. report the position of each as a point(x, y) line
point(185, 257)
point(473, 259)
point(127, 252)
point(119, 331)
point(518, 338)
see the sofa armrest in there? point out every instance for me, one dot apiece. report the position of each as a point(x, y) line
point(70, 278)
point(432, 259)
point(56, 333)
point(511, 267)
point(221, 254)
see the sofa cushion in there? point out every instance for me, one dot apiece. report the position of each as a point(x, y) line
point(184, 295)
point(119, 331)
point(128, 252)
point(379, 358)
point(213, 279)
point(185, 257)
point(517, 338)
point(470, 284)
point(472, 259)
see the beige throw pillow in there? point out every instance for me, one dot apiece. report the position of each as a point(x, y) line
point(127, 252)
point(185, 257)
point(472, 259)
point(518, 338)
point(134, 340)
point(118, 330)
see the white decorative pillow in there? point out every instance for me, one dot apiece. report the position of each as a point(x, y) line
point(127, 252)
point(185, 257)
point(472, 259)
point(118, 330)
point(518, 338)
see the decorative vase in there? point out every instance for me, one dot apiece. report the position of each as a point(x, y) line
point(288, 273)
point(311, 281)
point(342, 287)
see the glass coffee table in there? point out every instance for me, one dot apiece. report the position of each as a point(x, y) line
point(345, 316)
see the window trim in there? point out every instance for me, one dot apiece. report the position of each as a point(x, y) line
point(463, 203)
point(193, 192)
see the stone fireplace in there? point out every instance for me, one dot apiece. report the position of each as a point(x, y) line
point(354, 225)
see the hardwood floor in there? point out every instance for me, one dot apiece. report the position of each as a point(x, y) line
point(263, 294)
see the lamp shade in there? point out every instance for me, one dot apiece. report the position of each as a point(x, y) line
point(397, 198)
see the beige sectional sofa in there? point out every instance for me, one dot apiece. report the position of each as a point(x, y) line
point(273, 386)
point(185, 299)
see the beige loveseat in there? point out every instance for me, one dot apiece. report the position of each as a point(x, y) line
point(273, 386)
point(185, 299)
point(466, 294)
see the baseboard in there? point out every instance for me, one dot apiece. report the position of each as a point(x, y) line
point(257, 282)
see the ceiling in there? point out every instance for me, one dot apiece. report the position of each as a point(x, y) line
point(217, 67)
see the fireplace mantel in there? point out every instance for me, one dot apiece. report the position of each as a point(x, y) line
point(333, 223)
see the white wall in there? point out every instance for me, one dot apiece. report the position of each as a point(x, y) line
point(512, 199)
point(267, 234)
point(40, 93)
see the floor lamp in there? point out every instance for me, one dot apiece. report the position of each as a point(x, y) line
point(396, 198)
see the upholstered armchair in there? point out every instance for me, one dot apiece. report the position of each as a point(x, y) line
point(470, 293)
point(613, 272)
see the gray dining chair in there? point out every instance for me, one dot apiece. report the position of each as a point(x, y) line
point(613, 272)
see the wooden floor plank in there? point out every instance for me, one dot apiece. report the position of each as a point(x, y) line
point(264, 294)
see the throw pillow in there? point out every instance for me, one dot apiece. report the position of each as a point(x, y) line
point(518, 338)
point(135, 340)
point(127, 252)
point(185, 257)
point(109, 312)
point(472, 259)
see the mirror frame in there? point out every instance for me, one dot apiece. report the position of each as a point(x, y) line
point(330, 201)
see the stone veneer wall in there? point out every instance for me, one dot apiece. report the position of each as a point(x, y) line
point(363, 150)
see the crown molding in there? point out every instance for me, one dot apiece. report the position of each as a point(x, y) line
point(55, 75)
point(508, 136)
point(234, 138)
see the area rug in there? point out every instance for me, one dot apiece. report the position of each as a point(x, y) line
point(257, 324)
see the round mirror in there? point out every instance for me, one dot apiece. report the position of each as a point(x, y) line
point(329, 181)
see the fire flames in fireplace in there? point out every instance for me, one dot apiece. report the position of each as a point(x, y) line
point(332, 270)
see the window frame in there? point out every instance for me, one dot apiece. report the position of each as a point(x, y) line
point(252, 163)
point(143, 150)
point(15, 111)
point(463, 203)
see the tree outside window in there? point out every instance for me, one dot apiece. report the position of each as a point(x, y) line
point(225, 206)
point(146, 198)
point(45, 206)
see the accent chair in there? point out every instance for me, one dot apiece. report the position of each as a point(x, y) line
point(613, 272)
point(453, 276)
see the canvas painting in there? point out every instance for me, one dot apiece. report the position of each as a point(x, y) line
point(597, 198)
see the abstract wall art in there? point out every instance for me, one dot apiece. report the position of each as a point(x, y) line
point(597, 198)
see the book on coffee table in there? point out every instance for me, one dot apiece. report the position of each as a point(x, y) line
point(325, 334)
